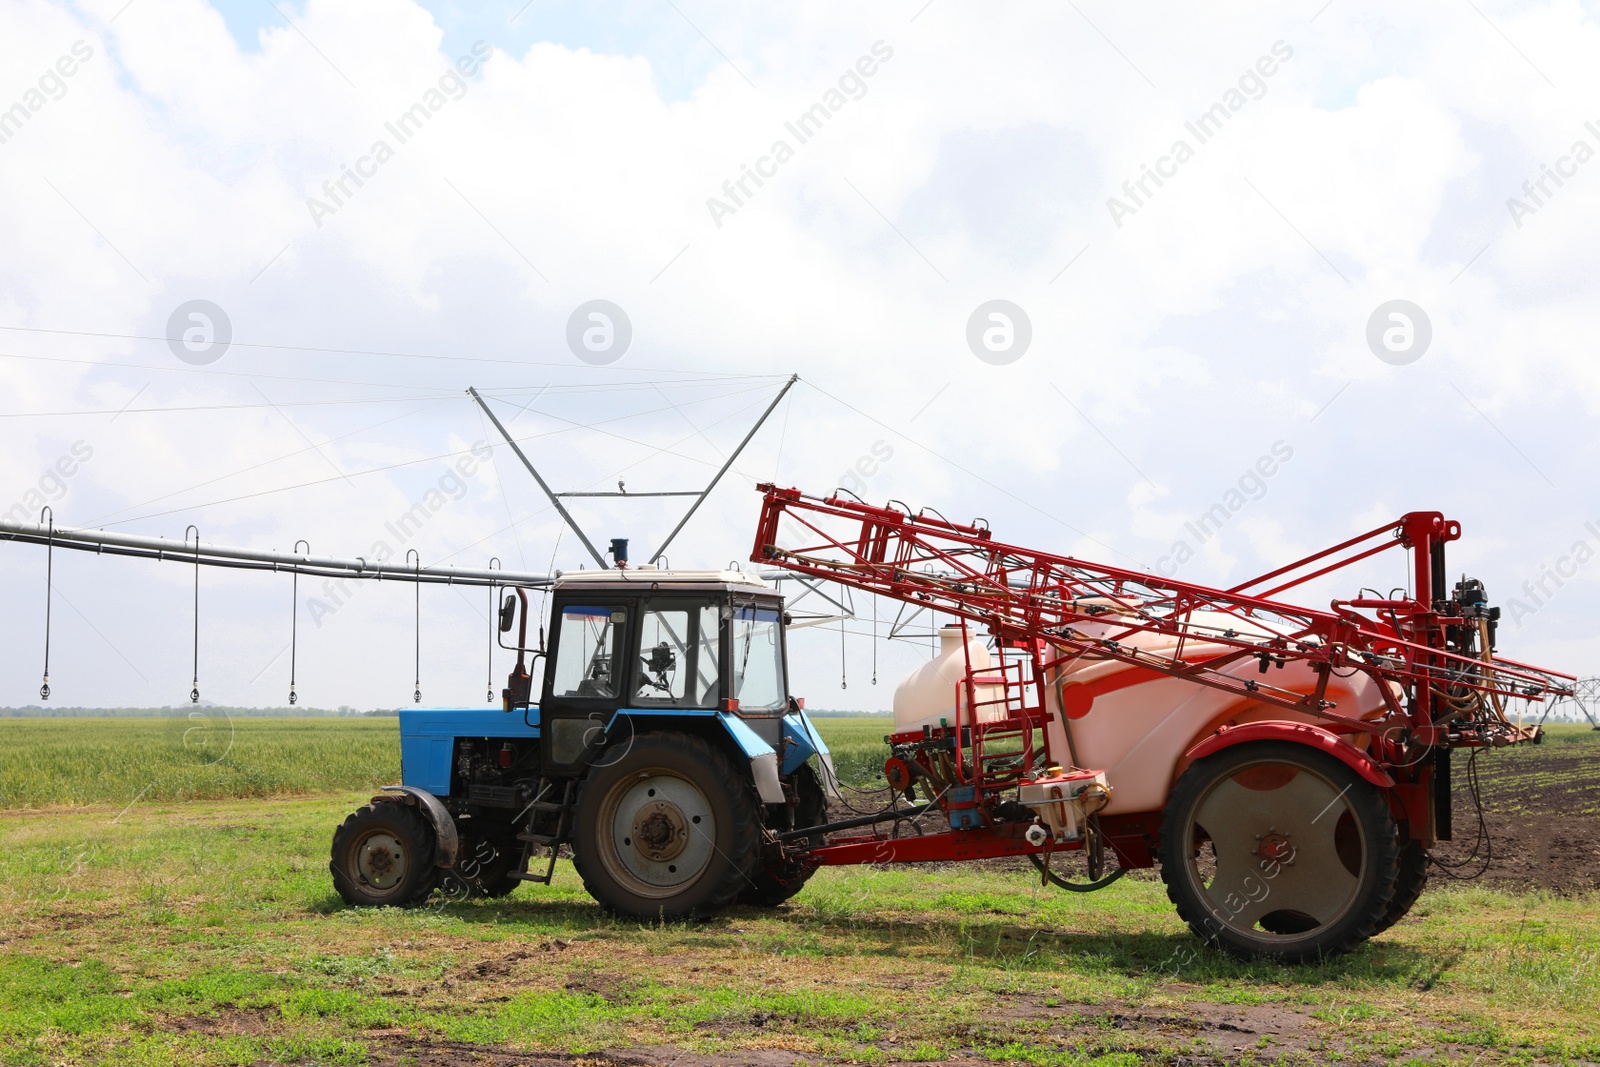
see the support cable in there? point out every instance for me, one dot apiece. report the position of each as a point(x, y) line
point(844, 673)
point(416, 694)
point(294, 622)
point(194, 691)
point(724, 468)
point(49, 589)
point(494, 611)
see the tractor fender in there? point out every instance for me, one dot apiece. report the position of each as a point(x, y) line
point(762, 756)
point(1300, 732)
point(443, 825)
point(801, 742)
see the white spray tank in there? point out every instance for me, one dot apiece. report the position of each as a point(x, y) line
point(929, 693)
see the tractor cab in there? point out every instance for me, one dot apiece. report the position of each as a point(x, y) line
point(629, 646)
point(663, 751)
point(632, 645)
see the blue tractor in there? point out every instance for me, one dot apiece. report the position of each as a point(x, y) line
point(665, 752)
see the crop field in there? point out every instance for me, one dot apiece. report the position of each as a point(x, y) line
point(169, 902)
point(206, 755)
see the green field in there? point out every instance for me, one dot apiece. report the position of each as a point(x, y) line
point(171, 930)
point(209, 756)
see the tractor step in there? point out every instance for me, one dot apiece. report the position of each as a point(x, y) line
point(542, 879)
point(551, 842)
point(539, 841)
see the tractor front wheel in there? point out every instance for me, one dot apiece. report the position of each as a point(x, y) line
point(667, 831)
point(384, 853)
point(1273, 850)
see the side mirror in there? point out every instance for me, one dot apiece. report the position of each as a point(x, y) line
point(508, 613)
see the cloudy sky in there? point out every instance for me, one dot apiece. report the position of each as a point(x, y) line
point(1353, 238)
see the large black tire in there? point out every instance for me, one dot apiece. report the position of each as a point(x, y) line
point(1273, 850)
point(1414, 861)
point(384, 854)
point(775, 880)
point(642, 844)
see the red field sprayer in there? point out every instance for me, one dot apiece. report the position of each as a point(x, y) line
point(1288, 767)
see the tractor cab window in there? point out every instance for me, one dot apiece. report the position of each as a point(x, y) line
point(588, 654)
point(757, 659)
point(678, 657)
point(663, 657)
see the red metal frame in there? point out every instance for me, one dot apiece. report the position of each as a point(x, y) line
point(1033, 604)
point(1300, 733)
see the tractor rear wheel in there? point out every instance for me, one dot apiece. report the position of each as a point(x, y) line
point(667, 831)
point(385, 853)
point(1414, 860)
point(775, 879)
point(1273, 850)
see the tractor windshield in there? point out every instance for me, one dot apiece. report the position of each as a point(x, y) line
point(757, 659)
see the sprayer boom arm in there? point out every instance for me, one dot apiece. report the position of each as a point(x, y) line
point(1024, 596)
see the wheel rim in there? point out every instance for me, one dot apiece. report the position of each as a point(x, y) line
point(658, 833)
point(380, 860)
point(1278, 853)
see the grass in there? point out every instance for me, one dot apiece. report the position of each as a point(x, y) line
point(206, 755)
point(203, 755)
point(207, 933)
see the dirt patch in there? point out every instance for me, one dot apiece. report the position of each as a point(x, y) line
point(420, 1052)
point(1214, 1035)
point(231, 1022)
point(1560, 853)
point(1536, 802)
point(1211, 1035)
point(609, 987)
point(501, 966)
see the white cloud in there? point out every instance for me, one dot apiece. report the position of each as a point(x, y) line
point(976, 164)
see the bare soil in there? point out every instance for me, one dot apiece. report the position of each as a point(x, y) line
point(1543, 830)
point(1212, 1035)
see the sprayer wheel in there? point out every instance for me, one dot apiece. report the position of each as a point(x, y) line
point(1414, 861)
point(1273, 850)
